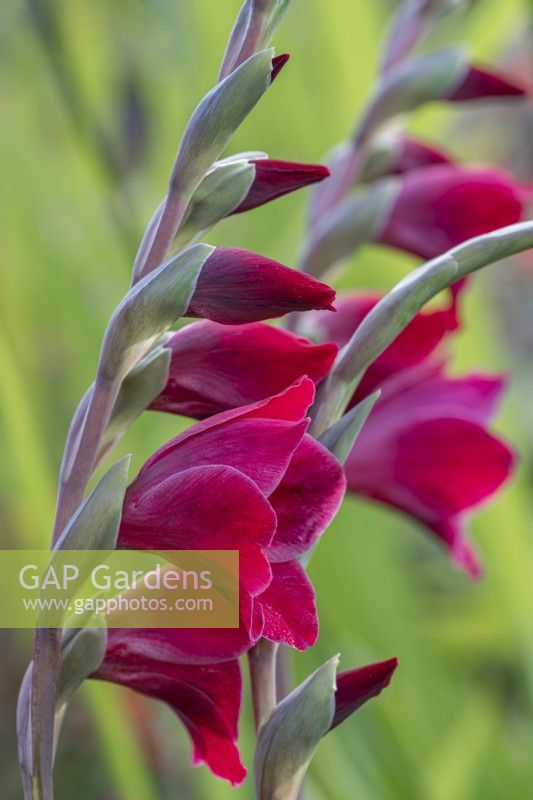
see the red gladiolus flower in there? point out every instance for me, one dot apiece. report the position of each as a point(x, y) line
point(274, 179)
point(249, 479)
point(235, 286)
point(485, 84)
point(425, 449)
point(216, 367)
point(441, 206)
point(206, 698)
point(356, 686)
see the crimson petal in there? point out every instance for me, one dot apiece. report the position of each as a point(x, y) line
point(206, 698)
point(276, 178)
point(416, 342)
point(306, 500)
point(356, 686)
point(440, 207)
point(426, 389)
point(485, 84)
point(236, 286)
point(202, 508)
point(217, 367)
point(261, 449)
point(278, 62)
point(433, 466)
point(414, 154)
point(192, 645)
point(287, 406)
point(289, 607)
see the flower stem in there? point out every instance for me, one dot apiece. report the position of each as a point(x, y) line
point(75, 474)
point(166, 224)
point(262, 664)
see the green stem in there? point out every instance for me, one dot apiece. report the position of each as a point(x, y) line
point(262, 664)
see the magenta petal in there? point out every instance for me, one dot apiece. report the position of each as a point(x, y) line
point(191, 645)
point(203, 508)
point(462, 553)
point(261, 449)
point(440, 207)
point(278, 62)
point(418, 341)
point(236, 286)
point(289, 607)
point(206, 698)
point(434, 468)
point(481, 83)
point(289, 405)
point(216, 367)
point(306, 501)
point(415, 154)
point(467, 464)
point(425, 390)
point(356, 686)
point(276, 178)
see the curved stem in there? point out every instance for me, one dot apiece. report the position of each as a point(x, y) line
point(80, 453)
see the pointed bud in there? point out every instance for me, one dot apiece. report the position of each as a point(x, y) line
point(254, 27)
point(409, 85)
point(482, 84)
point(441, 75)
point(236, 286)
point(357, 686)
point(241, 183)
point(219, 114)
point(278, 62)
point(410, 154)
point(274, 179)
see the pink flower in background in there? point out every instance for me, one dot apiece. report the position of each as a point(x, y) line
point(427, 451)
point(236, 286)
point(426, 448)
point(441, 206)
point(418, 341)
point(249, 479)
point(206, 698)
point(216, 367)
point(414, 154)
point(483, 84)
point(274, 179)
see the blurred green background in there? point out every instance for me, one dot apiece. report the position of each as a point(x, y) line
point(94, 95)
